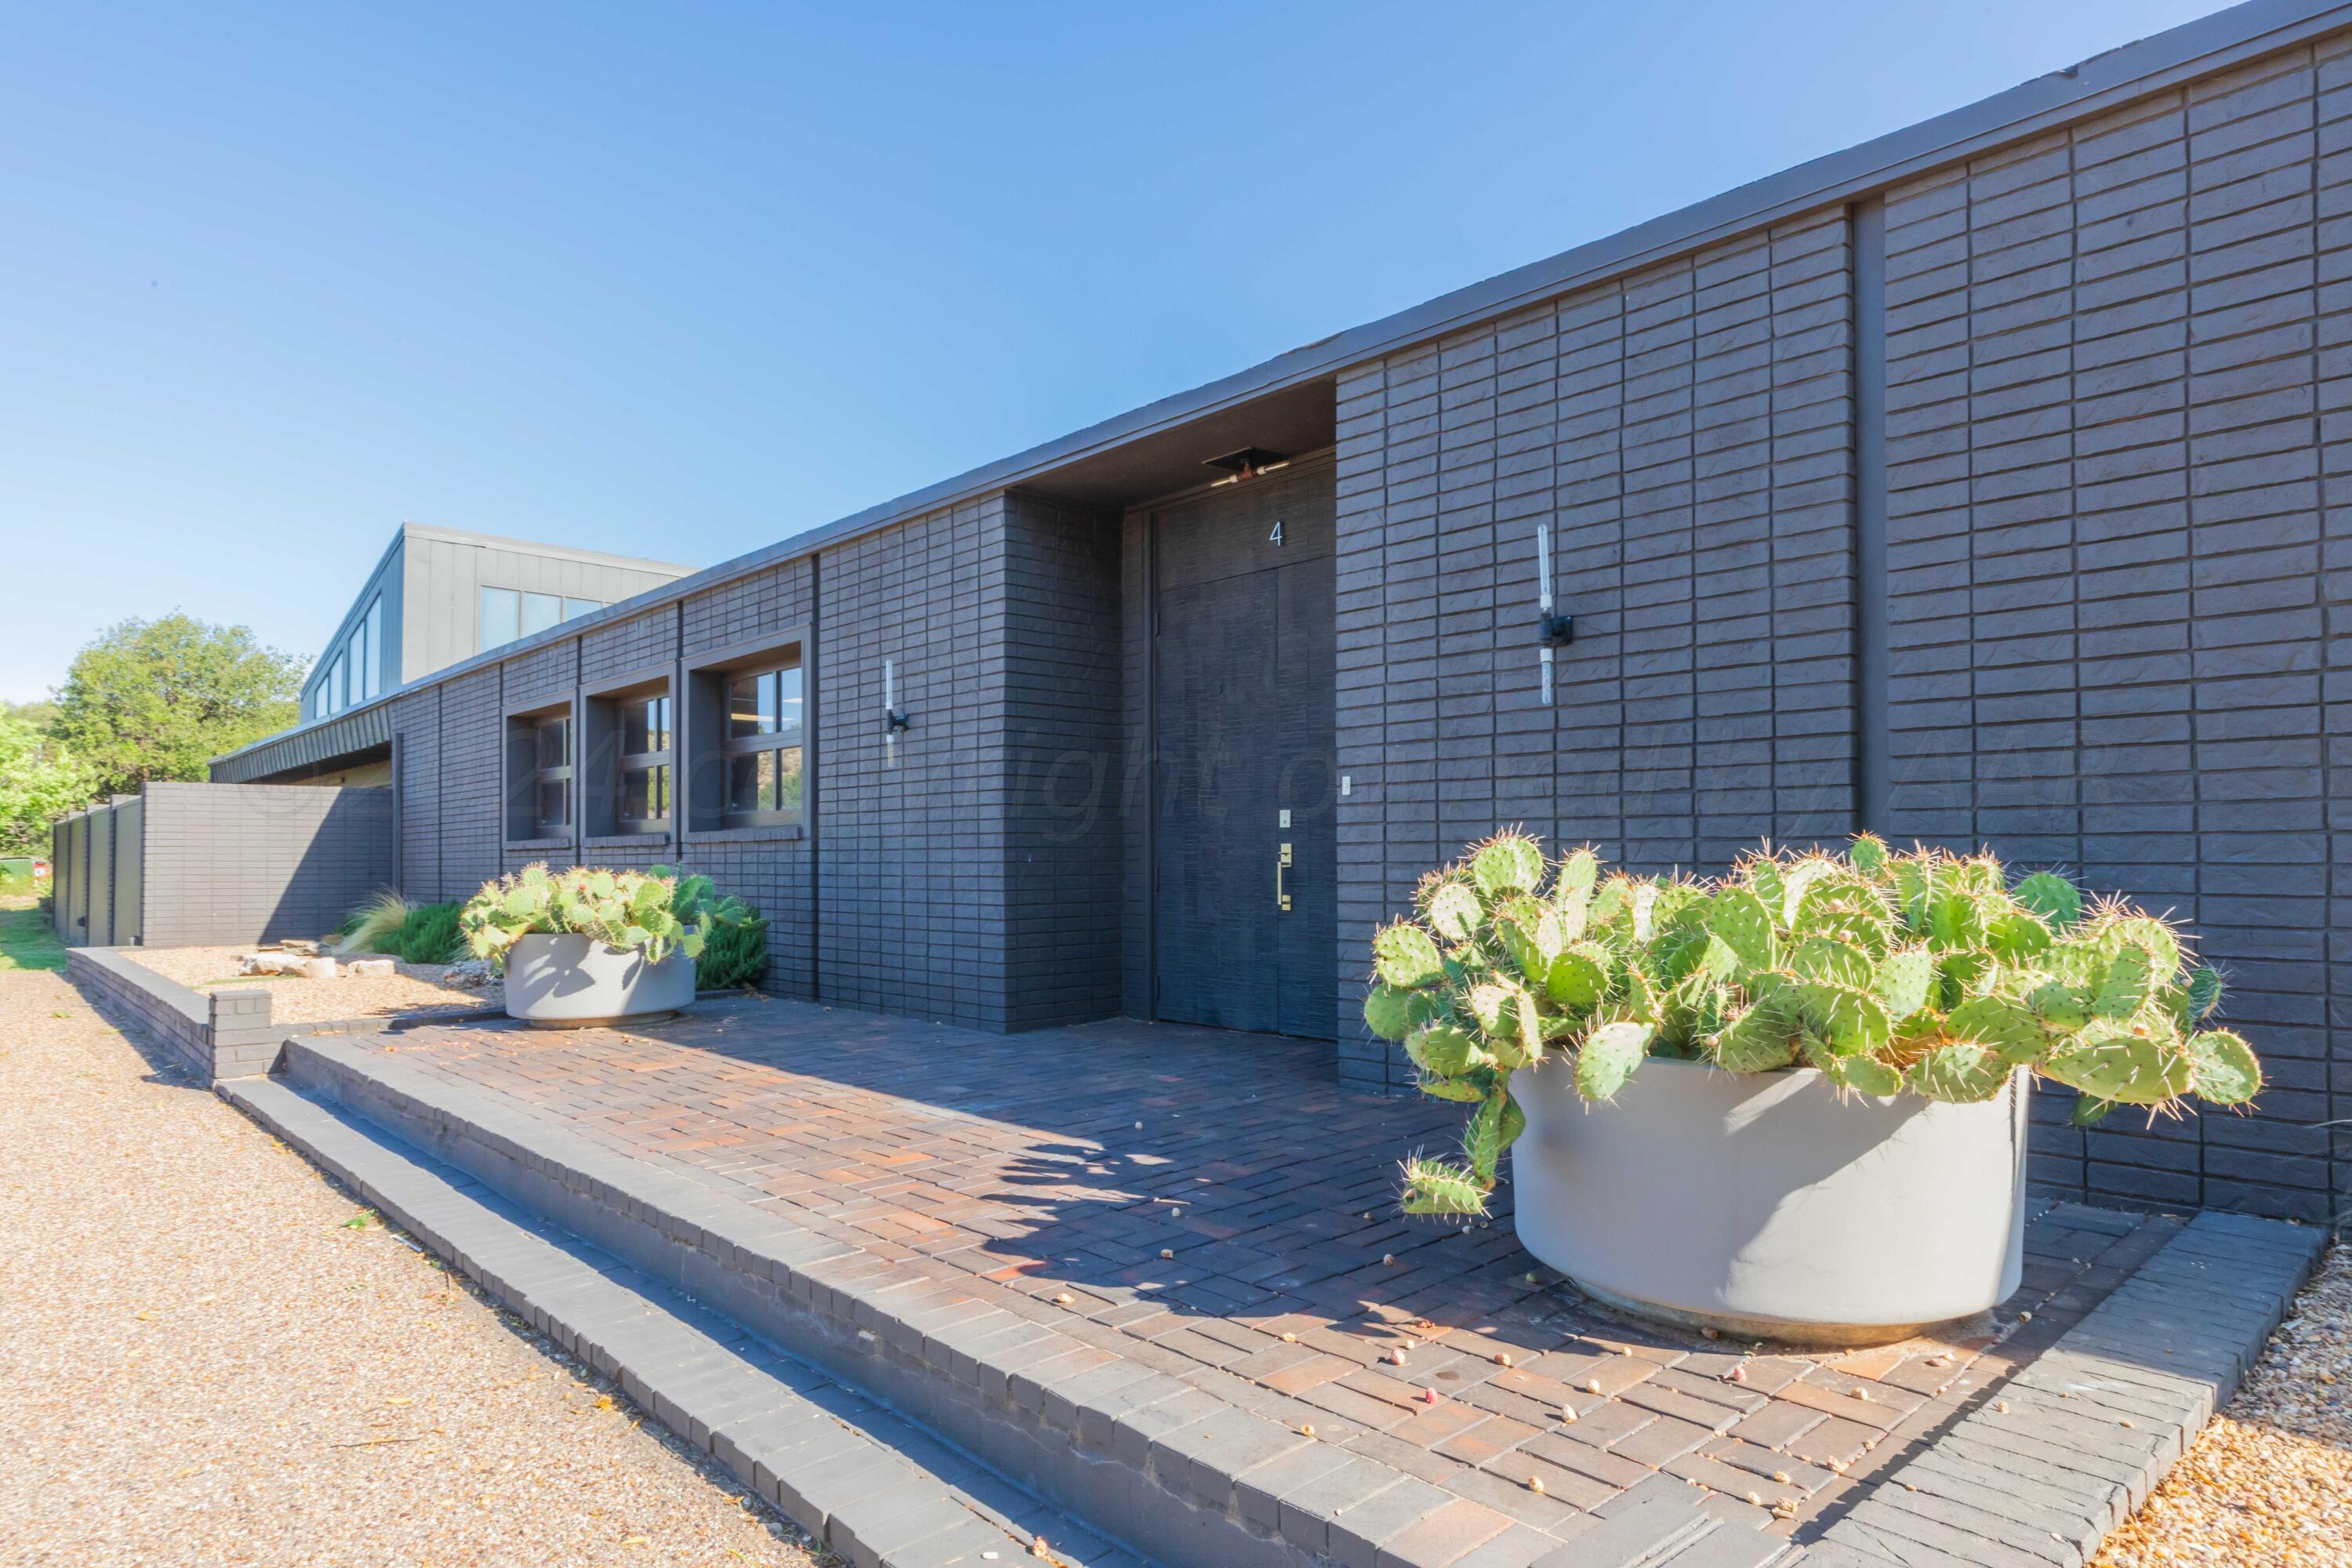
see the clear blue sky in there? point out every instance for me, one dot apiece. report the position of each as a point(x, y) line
point(683, 280)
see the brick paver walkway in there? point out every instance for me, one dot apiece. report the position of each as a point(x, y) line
point(1196, 1199)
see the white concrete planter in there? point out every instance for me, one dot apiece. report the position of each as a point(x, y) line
point(571, 981)
point(1762, 1204)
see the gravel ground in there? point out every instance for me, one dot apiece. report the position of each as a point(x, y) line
point(416, 989)
point(204, 1361)
point(2269, 1482)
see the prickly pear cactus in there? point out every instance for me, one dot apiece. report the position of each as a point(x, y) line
point(655, 910)
point(1922, 972)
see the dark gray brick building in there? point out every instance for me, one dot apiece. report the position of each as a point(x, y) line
point(1983, 484)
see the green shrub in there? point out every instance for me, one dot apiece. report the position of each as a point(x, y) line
point(655, 911)
point(375, 926)
point(1923, 973)
point(735, 955)
point(430, 935)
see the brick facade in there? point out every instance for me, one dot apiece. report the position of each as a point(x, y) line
point(1989, 504)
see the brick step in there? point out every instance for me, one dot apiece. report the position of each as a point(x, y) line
point(877, 1489)
point(1180, 1467)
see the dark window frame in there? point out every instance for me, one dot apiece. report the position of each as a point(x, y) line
point(774, 742)
point(526, 774)
point(701, 788)
point(656, 761)
point(603, 706)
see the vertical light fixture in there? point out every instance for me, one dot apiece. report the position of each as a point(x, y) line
point(1557, 631)
point(893, 720)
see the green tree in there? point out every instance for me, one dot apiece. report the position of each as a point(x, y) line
point(160, 699)
point(39, 780)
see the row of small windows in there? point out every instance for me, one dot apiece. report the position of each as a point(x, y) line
point(751, 776)
point(510, 613)
point(355, 671)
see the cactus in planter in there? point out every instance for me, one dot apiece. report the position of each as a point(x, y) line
point(1922, 972)
point(657, 911)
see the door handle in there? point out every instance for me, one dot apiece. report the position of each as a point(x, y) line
point(1281, 864)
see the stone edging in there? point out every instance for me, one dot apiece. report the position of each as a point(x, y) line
point(223, 1036)
point(2050, 1461)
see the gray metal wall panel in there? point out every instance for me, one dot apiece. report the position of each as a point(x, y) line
point(99, 931)
point(77, 931)
point(129, 865)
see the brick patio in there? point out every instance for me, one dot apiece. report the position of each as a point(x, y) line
point(1215, 1206)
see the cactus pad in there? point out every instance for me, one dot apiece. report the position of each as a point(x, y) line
point(1762, 1039)
point(1454, 911)
point(2123, 987)
point(1508, 863)
point(1961, 1071)
point(1608, 1057)
point(2222, 1069)
point(1391, 1013)
point(1902, 981)
point(1404, 956)
point(2125, 1062)
point(1441, 1187)
point(1578, 873)
point(2009, 1029)
point(2204, 993)
point(1442, 1049)
point(2052, 897)
point(1740, 922)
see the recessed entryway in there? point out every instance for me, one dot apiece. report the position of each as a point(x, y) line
point(1244, 892)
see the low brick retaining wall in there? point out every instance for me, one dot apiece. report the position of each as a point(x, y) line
point(226, 1035)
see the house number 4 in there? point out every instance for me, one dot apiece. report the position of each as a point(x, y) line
point(1276, 537)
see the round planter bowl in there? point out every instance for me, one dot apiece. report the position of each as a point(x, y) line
point(571, 981)
point(1763, 1206)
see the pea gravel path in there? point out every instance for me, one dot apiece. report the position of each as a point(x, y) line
point(202, 1362)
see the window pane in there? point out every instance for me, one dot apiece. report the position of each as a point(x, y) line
point(580, 606)
point(372, 667)
point(786, 791)
point(743, 780)
point(554, 807)
point(540, 611)
point(357, 654)
point(788, 706)
point(659, 724)
point(744, 714)
point(555, 743)
point(501, 617)
point(645, 794)
point(636, 728)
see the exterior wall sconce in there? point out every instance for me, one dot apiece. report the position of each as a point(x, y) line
point(894, 719)
point(1554, 631)
point(1245, 463)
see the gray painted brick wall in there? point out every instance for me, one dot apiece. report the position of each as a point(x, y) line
point(2111, 357)
point(1064, 718)
point(234, 863)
